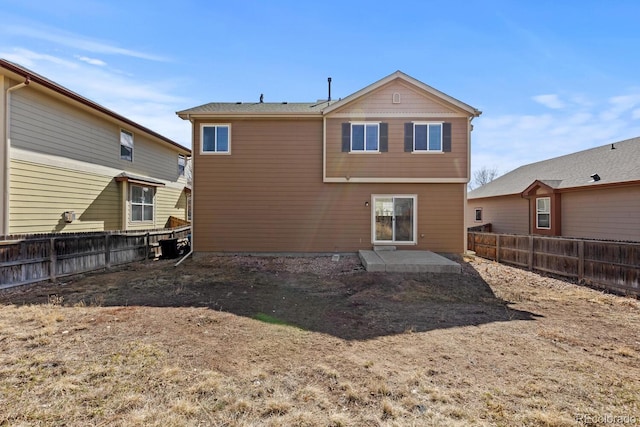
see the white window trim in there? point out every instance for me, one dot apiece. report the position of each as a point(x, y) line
point(132, 144)
point(189, 211)
point(415, 219)
point(131, 203)
point(184, 165)
point(428, 151)
point(364, 151)
point(538, 212)
point(214, 153)
point(475, 215)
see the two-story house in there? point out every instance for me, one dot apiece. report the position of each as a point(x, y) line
point(71, 165)
point(387, 165)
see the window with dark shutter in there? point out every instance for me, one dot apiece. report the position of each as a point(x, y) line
point(362, 137)
point(427, 137)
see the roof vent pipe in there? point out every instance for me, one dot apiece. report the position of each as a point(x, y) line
point(329, 82)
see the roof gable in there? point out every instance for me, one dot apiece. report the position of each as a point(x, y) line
point(430, 95)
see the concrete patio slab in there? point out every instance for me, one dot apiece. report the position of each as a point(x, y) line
point(408, 262)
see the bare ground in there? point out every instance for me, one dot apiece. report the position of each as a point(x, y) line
point(307, 341)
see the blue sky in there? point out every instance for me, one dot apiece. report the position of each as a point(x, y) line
point(551, 77)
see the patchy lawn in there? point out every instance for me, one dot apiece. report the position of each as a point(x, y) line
point(239, 341)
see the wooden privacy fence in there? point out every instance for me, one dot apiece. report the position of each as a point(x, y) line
point(35, 258)
point(610, 265)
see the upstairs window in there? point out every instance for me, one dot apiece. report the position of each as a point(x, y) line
point(126, 145)
point(427, 137)
point(424, 137)
point(364, 137)
point(543, 212)
point(182, 163)
point(142, 203)
point(478, 215)
point(216, 139)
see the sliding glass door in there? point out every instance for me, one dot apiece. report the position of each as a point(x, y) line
point(394, 219)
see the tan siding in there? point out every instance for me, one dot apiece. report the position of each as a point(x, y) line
point(170, 202)
point(413, 100)
point(610, 213)
point(268, 195)
point(507, 214)
point(42, 124)
point(41, 194)
point(396, 163)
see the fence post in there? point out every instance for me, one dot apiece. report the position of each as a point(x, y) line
point(497, 248)
point(530, 261)
point(107, 250)
point(53, 259)
point(580, 260)
point(148, 245)
point(23, 256)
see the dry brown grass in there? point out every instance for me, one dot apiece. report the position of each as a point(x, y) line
point(178, 366)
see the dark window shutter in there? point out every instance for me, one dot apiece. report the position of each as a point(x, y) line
point(384, 137)
point(446, 137)
point(346, 137)
point(408, 137)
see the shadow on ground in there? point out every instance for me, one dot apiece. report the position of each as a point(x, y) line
point(351, 303)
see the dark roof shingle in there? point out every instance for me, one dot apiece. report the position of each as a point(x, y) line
point(621, 164)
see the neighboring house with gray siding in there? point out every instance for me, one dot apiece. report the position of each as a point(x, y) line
point(593, 193)
point(72, 165)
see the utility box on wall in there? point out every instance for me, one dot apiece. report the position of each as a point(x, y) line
point(69, 216)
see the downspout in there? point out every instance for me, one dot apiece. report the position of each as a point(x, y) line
point(7, 154)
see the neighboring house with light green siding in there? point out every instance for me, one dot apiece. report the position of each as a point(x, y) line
point(72, 165)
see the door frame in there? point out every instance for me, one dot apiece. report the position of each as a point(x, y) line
point(414, 224)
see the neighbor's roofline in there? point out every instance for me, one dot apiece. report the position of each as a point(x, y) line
point(399, 74)
point(187, 116)
point(592, 186)
point(36, 78)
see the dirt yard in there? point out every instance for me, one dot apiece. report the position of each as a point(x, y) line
point(250, 341)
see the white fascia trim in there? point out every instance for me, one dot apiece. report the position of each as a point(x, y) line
point(397, 180)
point(400, 114)
point(324, 149)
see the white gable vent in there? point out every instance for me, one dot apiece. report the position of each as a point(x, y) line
point(396, 98)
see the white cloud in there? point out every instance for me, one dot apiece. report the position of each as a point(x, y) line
point(509, 141)
point(76, 41)
point(28, 58)
point(550, 101)
point(92, 61)
point(619, 105)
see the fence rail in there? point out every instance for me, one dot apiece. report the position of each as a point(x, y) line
point(614, 266)
point(36, 258)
